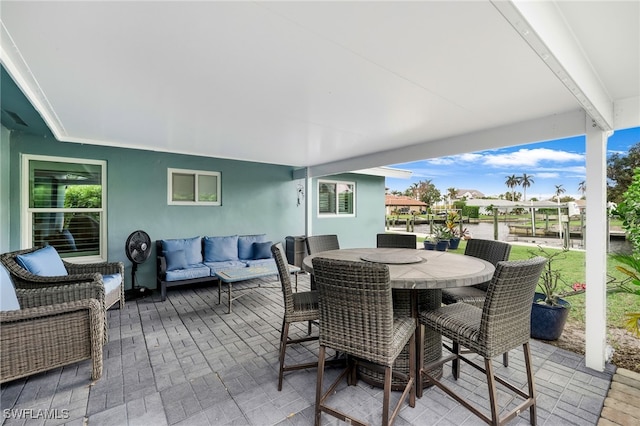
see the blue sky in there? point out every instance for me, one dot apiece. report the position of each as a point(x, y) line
point(551, 163)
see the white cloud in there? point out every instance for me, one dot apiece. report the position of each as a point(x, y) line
point(547, 175)
point(530, 157)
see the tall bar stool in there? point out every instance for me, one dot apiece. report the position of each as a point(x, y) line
point(356, 318)
point(491, 251)
point(503, 323)
point(298, 307)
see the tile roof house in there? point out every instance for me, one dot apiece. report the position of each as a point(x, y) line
point(403, 204)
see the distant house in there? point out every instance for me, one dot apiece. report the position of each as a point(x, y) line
point(468, 194)
point(403, 204)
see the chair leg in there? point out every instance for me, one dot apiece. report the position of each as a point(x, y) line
point(505, 359)
point(532, 389)
point(455, 364)
point(493, 394)
point(284, 335)
point(387, 395)
point(321, 355)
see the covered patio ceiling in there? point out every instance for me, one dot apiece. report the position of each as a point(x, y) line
point(329, 86)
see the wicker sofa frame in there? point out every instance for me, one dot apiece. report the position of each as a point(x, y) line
point(78, 273)
point(55, 326)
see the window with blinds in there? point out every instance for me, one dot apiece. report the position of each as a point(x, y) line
point(65, 205)
point(193, 187)
point(336, 198)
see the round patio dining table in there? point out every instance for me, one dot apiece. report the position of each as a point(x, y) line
point(417, 279)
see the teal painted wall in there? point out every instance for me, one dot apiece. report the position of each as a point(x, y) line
point(4, 189)
point(361, 230)
point(256, 198)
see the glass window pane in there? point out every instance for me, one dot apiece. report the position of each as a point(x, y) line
point(207, 188)
point(72, 234)
point(327, 198)
point(58, 184)
point(345, 198)
point(183, 187)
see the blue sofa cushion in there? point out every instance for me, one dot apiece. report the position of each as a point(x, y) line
point(193, 271)
point(192, 248)
point(176, 260)
point(8, 298)
point(245, 245)
point(220, 249)
point(227, 264)
point(45, 262)
point(263, 262)
point(111, 282)
point(262, 250)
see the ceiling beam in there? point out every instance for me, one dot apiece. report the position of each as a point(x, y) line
point(19, 71)
point(537, 130)
point(543, 27)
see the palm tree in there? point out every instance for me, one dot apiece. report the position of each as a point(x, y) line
point(582, 187)
point(511, 182)
point(414, 190)
point(559, 190)
point(452, 192)
point(526, 181)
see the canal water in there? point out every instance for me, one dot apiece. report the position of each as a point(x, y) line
point(484, 230)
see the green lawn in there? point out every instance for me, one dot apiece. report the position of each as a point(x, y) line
point(572, 267)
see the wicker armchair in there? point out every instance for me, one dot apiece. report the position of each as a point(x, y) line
point(491, 251)
point(55, 326)
point(298, 307)
point(357, 319)
point(78, 273)
point(503, 323)
point(396, 241)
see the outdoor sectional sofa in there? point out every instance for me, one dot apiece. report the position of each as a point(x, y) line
point(196, 260)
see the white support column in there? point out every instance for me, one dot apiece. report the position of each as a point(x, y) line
point(310, 196)
point(597, 235)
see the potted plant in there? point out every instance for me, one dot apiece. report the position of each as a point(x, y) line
point(550, 310)
point(443, 237)
point(454, 231)
point(430, 242)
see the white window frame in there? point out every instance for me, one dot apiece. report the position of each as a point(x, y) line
point(337, 201)
point(196, 174)
point(26, 232)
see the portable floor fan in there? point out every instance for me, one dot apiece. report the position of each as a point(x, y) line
point(138, 250)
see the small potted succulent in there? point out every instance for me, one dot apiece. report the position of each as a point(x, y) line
point(430, 242)
point(443, 236)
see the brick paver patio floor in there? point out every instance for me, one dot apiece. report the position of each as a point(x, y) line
point(186, 361)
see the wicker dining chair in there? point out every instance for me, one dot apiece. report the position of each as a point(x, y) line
point(298, 307)
point(356, 319)
point(54, 327)
point(318, 243)
point(396, 241)
point(503, 323)
point(491, 251)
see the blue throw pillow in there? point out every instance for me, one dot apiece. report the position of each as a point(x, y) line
point(176, 260)
point(8, 298)
point(220, 249)
point(245, 245)
point(192, 248)
point(45, 262)
point(262, 250)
